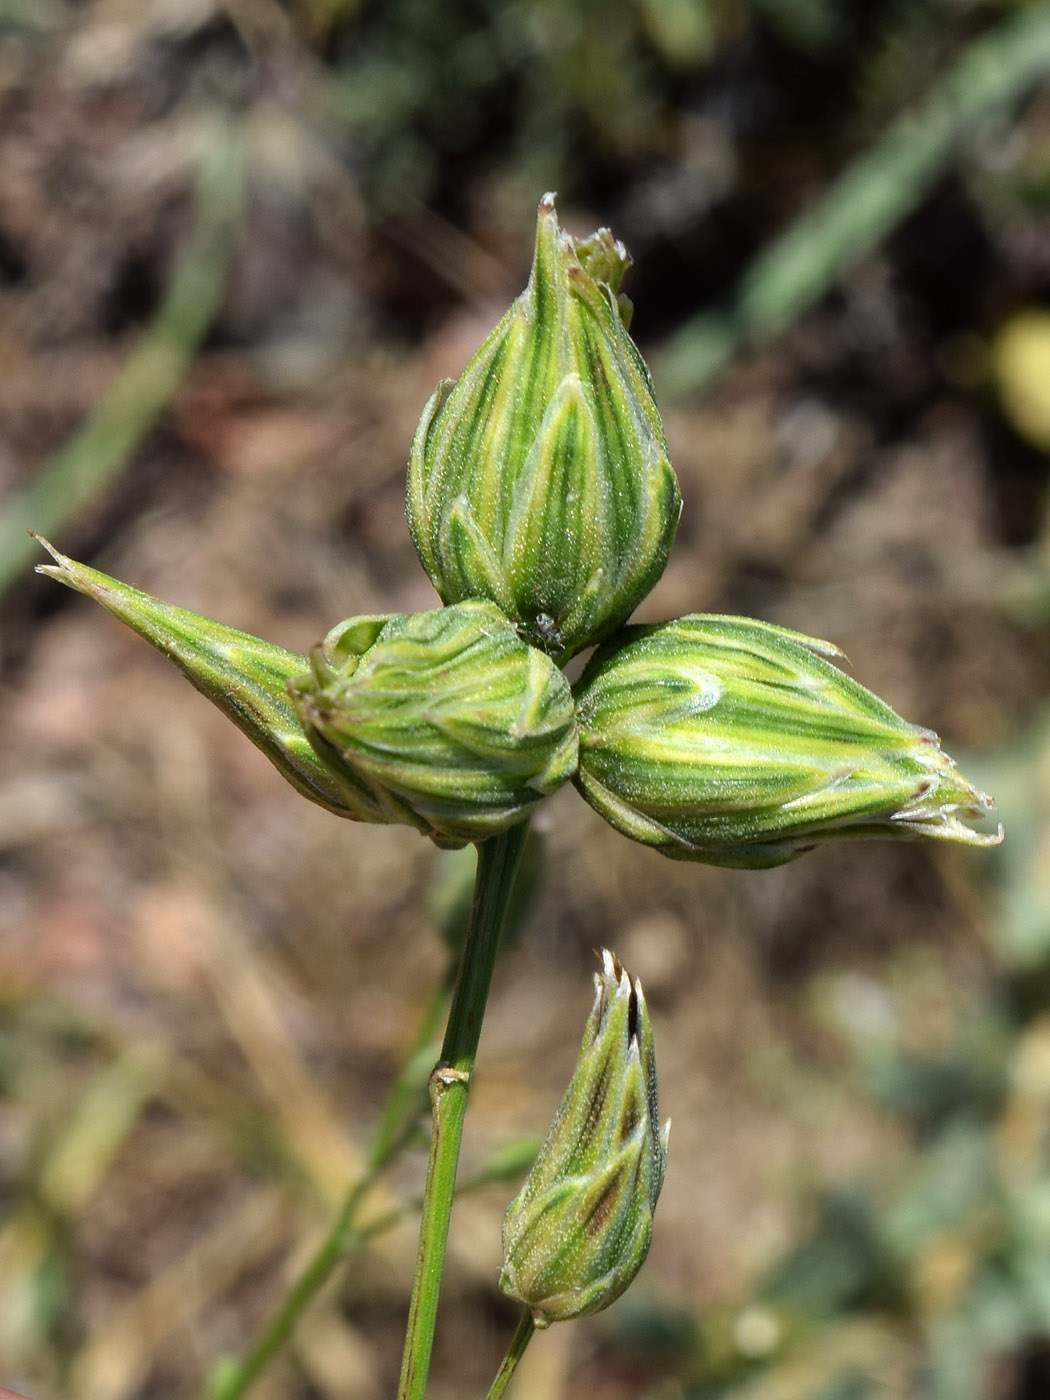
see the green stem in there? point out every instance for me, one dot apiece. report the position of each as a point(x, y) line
point(394, 1128)
point(522, 1337)
point(232, 1382)
point(234, 1379)
point(498, 860)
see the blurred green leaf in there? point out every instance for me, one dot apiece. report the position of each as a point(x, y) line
point(841, 1266)
point(96, 455)
point(878, 189)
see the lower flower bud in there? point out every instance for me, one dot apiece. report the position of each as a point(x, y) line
point(578, 1231)
point(443, 720)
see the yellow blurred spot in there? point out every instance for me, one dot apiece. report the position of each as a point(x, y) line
point(943, 1271)
point(1022, 1130)
point(756, 1331)
point(1021, 362)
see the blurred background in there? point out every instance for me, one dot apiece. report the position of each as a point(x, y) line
point(239, 243)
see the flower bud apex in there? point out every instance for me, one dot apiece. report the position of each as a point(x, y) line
point(735, 742)
point(444, 720)
point(246, 677)
point(541, 480)
point(579, 1229)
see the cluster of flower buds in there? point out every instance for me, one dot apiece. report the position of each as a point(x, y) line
point(543, 505)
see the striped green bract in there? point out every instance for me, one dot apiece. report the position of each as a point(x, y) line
point(731, 741)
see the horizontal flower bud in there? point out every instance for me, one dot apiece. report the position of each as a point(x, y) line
point(579, 1230)
point(734, 742)
point(541, 480)
point(445, 720)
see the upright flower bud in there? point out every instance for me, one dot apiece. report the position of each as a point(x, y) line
point(579, 1229)
point(541, 480)
point(444, 720)
point(244, 676)
point(734, 742)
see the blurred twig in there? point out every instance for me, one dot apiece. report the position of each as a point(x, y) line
point(246, 986)
point(70, 1174)
point(96, 455)
point(863, 206)
point(397, 1123)
point(399, 1120)
point(116, 1361)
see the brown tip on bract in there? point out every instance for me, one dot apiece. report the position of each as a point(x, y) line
point(61, 569)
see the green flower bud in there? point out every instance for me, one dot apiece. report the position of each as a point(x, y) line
point(734, 742)
point(579, 1229)
point(541, 480)
point(246, 677)
point(444, 720)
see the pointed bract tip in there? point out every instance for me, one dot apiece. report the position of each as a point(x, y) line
point(61, 559)
point(612, 968)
